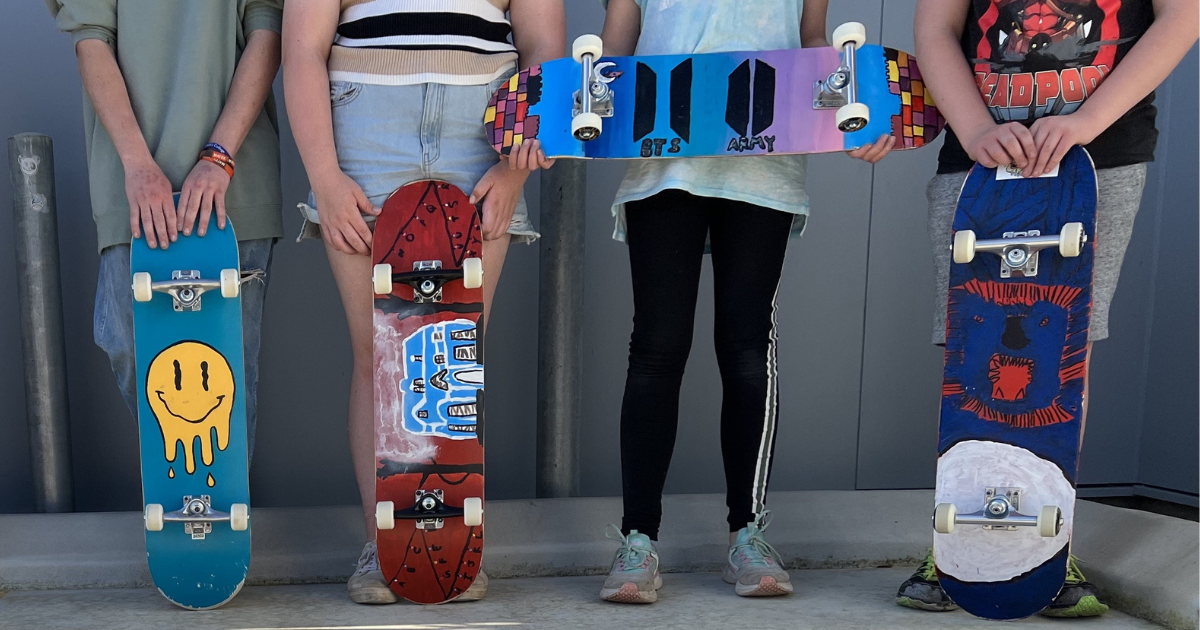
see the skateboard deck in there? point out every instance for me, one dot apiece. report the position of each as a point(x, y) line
point(192, 416)
point(428, 391)
point(1012, 392)
point(715, 105)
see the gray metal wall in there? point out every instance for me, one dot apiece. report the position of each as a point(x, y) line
point(859, 380)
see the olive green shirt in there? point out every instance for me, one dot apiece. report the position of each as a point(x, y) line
point(178, 58)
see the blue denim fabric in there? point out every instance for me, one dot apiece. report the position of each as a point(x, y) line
point(391, 135)
point(112, 324)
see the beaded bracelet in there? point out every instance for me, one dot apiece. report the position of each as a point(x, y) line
point(220, 159)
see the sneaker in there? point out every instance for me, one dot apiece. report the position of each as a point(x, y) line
point(922, 590)
point(367, 585)
point(633, 578)
point(1078, 597)
point(754, 567)
point(477, 590)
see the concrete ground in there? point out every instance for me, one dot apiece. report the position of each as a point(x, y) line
point(825, 599)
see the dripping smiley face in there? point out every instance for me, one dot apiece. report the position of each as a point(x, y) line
point(190, 389)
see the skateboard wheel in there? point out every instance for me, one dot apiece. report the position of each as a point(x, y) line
point(1071, 240)
point(943, 518)
point(587, 45)
point(849, 33)
point(231, 281)
point(154, 517)
point(472, 273)
point(852, 117)
point(239, 517)
point(385, 515)
point(472, 511)
point(142, 289)
point(382, 279)
point(1048, 521)
point(964, 246)
point(586, 126)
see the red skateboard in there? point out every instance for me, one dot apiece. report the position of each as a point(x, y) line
point(428, 279)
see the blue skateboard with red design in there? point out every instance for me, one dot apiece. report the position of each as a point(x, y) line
point(187, 318)
point(1013, 388)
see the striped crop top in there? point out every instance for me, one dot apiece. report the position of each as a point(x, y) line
point(402, 42)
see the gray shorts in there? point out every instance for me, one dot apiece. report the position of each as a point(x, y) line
point(1120, 195)
point(391, 135)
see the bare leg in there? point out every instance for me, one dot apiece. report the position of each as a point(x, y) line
point(353, 277)
point(493, 263)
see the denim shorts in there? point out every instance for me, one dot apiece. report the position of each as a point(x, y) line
point(390, 135)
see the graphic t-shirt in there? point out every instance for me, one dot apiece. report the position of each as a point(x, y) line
point(1035, 58)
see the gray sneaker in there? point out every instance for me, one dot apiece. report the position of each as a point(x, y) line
point(476, 591)
point(367, 585)
point(754, 567)
point(633, 578)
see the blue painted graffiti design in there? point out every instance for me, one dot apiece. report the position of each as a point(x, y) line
point(442, 376)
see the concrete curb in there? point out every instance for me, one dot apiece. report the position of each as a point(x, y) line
point(1147, 564)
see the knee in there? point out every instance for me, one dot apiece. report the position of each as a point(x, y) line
point(745, 361)
point(660, 355)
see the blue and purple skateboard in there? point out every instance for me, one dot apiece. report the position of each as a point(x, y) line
point(187, 317)
point(1013, 389)
point(775, 102)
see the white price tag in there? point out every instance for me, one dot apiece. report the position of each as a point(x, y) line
point(1012, 172)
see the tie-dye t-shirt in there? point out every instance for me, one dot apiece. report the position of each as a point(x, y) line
point(677, 27)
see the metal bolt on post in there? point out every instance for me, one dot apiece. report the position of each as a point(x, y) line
point(560, 328)
point(35, 235)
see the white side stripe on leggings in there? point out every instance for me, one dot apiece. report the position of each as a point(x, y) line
point(765, 444)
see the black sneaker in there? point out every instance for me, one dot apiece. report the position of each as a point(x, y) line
point(922, 591)
point(1078, 597)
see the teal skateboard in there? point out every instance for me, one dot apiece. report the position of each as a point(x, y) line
point(187, 317)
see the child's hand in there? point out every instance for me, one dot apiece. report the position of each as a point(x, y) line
point(499, 188)
point(202, 192)
point(1054, 136)
point(151, 204)
point(875, 151)
point(1002, 145)
point(341, 203)
point(528, 156)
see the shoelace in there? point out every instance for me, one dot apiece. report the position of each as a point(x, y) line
point(1074, 575)
point(926, 569)
point(628, 556)
point(756, 549)
point(368, 561)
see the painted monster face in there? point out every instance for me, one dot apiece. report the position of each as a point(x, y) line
point(190, 389)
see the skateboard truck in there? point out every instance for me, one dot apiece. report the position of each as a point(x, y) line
point(999, 513)
point(594, 98)
point(1018, 251)
point(427, 278)
point(185, 287)
point(840, 89)
point(197, 516)
point(430, 511)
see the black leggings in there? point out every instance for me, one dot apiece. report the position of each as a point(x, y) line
point(666, 235)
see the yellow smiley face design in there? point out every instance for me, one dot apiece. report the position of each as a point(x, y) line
point(190, 390)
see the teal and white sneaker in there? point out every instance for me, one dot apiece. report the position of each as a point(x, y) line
point(754, 567)
point(633, 578)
